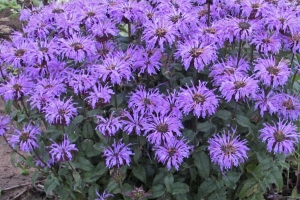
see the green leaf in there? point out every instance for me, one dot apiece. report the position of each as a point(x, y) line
point(250, 187)
point(157, 191)
point(230, 178)
point(220, 195)
point(159, 178)
point(206, 126)
point(169, 180)
point(7, 106)
point(140, 173)
point(179, 188)
point(243, 121)
point(51, 184)
point(88, 131)
point(202, 163)
point(113, 187)
point(78, 119)
point(223, 114)
point(206, 188)
point(84, 164)
point(137, 155)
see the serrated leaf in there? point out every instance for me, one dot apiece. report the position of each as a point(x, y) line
point(223, 114)
point(140, 173)
point(169, 180)
point(84, 164)
point(159, 178)
point(179, 188)
point(250, 187)
point(202, 163)
point(78, 119)
point(206, 126)
point(87, 131)
point(243, 121)
point(51, 184)
point(230, 178)
point(157, 191)
point(220, 195)
point(206, 188)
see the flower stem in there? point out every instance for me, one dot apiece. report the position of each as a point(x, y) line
point(208, 2)
point(233, 115)
point(239, 52)
point(115, 96)
point(13, 148)
point(25, 109)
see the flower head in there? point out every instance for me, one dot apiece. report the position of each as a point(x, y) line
point(117, 155)
point(25, 138)
point(133, 123)
point(227, 151)
point(62, 152)
point(103, 196)
point(239, 88)
point(172, 152)
point(99, 95)
point(4, 124)
point(280, 137)
point(60, 112)
point(198, 99)
point(108, 126)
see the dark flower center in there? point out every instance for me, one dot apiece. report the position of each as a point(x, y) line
point(289, 104)
point(273, 70)
point(111, 67)
point(44, 49)
point(228, 149)
point(24, 137)
point(48, 86)
point(90, 14)
point(198, 98)
point(279, 136)
point(229, 71)
point(266, 41)
point(61, 112)
point(202, 13)
point(20, 52)
point(58, 11)
point(239, 84)
point(255, 5)
point(161, 32)
point(175, 18)
point(210, 30)
point(146, 101)
point(77, 46)
point(172, 151)
point(296, 37)
point(162, 127)
point(196, 52)
point(244, 25)
point(282, 20)
point(17, 87)
point(149, 15)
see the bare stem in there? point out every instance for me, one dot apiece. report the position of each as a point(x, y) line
point(13, 148)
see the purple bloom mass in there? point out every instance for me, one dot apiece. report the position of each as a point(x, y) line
point(280, 137)
point(25, 138)
point(4, 124)
point(60, 112)
point(62, 152)
point(199, 99)
point(227, 151)
point(117, 155)
point(172, 152)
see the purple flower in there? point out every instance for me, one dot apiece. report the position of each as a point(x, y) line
point(171, 105)
point(108, 126)
point(288, 106)
point(197, 53)
point(51, 85)
point(16, 88)
point(99, 95)
point(146, 101)
point(238, 88)
point(67, 24)
point(199, 99)
point(60, 112)
point(159, 31)
point(113, 69)
point(104, 29)
point(77, 47)
point(224, 70)
point(128, 11)
point(62, 152)
point(266, 42)
point(38, 26)
point(265, 102)
point(280, 137)
point(272, 73)
point(162, 127)
point(80, 81)
point(133, 123)
point(39, 100)
point(149, 62)
point(117, 155)
point(172, 152)
point(253, 8)
point(227, 151)
point(44, 51)
point(103, 196)
point(4, 124)
point(26, 138)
